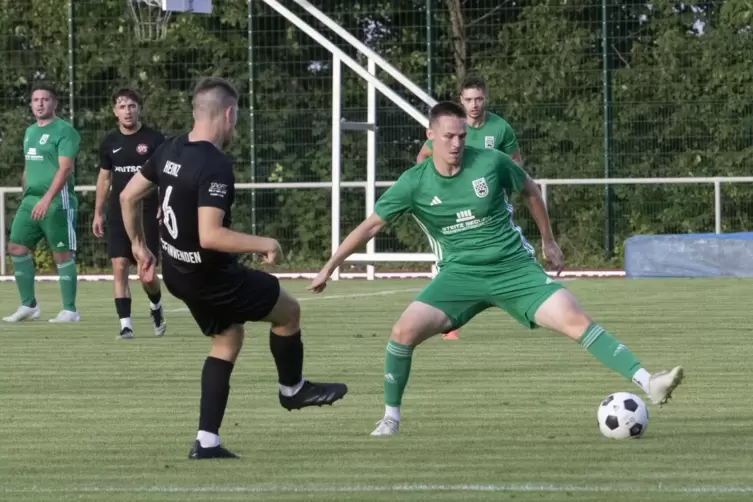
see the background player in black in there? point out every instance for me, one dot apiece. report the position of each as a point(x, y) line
point(122, 154)
point(199, 265)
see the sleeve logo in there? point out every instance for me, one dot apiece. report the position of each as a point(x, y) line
point(217, 189)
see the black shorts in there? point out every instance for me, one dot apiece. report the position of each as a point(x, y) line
point(118, 243)
point(237, 297)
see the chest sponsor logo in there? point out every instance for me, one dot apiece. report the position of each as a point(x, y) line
point(488, 141)
point(31, 154)
point(480, 187)
point(126, 169)
point(466, 215)
point(142, 148)
point(116, 150)
point(44, 139)
point(465, 220)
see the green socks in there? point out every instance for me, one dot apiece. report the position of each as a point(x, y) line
point(609, 351)
point(23, 267)
point(396, 372)
point(67, 272)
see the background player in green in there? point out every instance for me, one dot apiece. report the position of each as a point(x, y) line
point(460, 198)
point(485, 130)
point(48, 208)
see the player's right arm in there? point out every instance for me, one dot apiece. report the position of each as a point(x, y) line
point(104, 180)
point(425, 152)
point(214, 201)
point(394, 202)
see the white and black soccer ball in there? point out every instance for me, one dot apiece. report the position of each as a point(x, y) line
point(622, 415)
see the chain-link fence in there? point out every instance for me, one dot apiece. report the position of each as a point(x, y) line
point(591, 87)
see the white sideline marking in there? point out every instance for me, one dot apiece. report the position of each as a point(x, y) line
point(343, 275)
point(511, 488)
point(340, 297)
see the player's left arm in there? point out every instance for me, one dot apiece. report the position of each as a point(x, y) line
point(509, 144)
point(515, 179)
point(67, 151)
point(536, 205)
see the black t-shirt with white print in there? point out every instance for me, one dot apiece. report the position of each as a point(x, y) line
point(191, 175)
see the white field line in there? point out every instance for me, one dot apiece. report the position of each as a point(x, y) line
point(447, 488)
point(345, 275)
point(340, 297)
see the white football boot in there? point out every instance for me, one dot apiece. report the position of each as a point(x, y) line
point(386, 427)
point(24, 313)
point(66, 316)
point(661, 385)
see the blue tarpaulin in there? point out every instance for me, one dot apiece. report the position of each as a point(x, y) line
point(690, 255)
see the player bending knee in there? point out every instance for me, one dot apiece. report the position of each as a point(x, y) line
point(200, 266)
point(484, 260)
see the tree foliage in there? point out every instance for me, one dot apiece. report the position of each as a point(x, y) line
point(680, 105)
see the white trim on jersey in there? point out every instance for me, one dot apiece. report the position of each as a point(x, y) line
point(515, 227)
point(436, 248)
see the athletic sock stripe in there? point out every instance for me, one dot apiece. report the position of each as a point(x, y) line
point(398, 352)
point(591, 337)
point(20, 259)
point(66, 264)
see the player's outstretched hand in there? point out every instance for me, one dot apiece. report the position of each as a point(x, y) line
point(98, 226)
point(319, 282)
point(273, 254)
point(553, 255)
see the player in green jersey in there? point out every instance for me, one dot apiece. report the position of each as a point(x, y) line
point(48, 208)
point(460, 198)
point(485, 130)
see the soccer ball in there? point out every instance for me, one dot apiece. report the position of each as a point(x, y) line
point(622, 415)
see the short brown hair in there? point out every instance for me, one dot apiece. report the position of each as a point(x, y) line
point(445, 109)
point(474, 82)
point(125, 92)
point(207, 84)
point(44, 86)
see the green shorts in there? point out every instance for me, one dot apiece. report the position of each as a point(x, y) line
point(58, 226)
point(464, 293)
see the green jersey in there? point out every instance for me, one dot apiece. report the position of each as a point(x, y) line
point(467, 217)
point(42, 147)
point(495, 133)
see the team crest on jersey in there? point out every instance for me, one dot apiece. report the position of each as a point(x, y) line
point(488, 141)
point(142, 149)
point(480, 187)
point(44, 139)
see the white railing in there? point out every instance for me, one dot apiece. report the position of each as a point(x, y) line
point(338, 124)
point(370, 257)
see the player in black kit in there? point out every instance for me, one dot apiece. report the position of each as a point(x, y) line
point(122, 154)
point(199, 265)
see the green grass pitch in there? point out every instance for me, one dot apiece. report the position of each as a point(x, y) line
point(502, 414)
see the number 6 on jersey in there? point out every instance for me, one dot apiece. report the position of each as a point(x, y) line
point(168, 215)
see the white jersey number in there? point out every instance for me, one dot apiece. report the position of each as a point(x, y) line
point(168, 215)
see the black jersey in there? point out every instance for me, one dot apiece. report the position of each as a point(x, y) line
point(191, 175)
point(124, 155)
